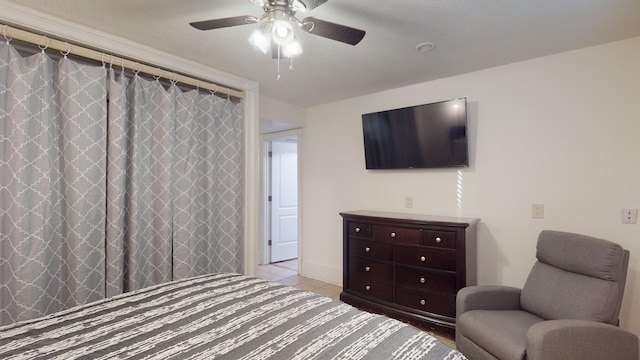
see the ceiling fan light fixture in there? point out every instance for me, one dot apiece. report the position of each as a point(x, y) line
point(282, 32)
point(292, 50)
point(274, 32)
point(260, 38)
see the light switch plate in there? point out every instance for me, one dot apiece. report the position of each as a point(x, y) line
point(408, 202)
point(537, 211)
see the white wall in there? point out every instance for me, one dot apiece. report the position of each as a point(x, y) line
point(277, 115)
point(562, 130)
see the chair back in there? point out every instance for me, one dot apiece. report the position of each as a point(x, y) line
point(576, 277)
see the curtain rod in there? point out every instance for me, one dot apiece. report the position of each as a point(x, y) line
point(66, 48)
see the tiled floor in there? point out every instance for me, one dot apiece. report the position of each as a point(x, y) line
point(286, 273)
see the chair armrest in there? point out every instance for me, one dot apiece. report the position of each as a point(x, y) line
point(580, 339)
point(487, 297)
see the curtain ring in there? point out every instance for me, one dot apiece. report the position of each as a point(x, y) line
point(104, 64)
point(68, 50)
point(4, 33)
point(135, 72)
point(175, 79)
point(159, 75)
point(46, 45)
point(111, 61)
point(122, 65)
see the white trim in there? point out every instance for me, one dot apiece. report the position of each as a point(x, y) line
point(321, 272)
point(252, 213)
point(261, 245)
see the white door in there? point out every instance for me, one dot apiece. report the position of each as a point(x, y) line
point(284, 200)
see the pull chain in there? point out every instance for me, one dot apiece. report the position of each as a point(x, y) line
point(278, 77)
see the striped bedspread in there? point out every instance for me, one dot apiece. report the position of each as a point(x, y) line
point(221, 316)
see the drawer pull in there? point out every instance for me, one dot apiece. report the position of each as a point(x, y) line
point(423, 302)
point(423, 280)
point(423, 259)
point(393, 235)
point(438, 240)
point(357, 229)
point(367, 268)
point(367, 287)
point(367, 249)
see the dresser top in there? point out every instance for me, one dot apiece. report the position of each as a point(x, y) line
point(448, 220)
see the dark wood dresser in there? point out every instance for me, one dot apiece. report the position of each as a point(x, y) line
point(408, 266)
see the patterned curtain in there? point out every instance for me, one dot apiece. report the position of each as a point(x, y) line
point(206, 229)
point(143, 226)
point(100, 197)
point(52, 184)
point(174, 189)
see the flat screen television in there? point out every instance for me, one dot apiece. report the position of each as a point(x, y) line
point(423, 136)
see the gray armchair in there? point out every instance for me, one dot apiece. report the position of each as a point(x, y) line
point(567, 309)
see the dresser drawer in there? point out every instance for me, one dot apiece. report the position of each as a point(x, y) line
point(442, 259)
point(370, 287)
point(425, 280)
point(370, 249)
point(438, 238)
point(396, 235)
point(442, 304)
point(359, 229)
point(371, 269)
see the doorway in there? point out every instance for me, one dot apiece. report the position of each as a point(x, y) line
point(281, 189)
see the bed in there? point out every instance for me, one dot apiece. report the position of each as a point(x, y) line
point(222, 316)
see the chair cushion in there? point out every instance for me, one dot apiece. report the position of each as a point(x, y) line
point(581, 254)
point(502, 333)
point(552, 293)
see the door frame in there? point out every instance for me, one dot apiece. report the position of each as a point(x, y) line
point(266, 139)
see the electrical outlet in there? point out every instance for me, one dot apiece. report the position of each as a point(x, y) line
point(537, 211)
point(629, 216)
point(408, 202)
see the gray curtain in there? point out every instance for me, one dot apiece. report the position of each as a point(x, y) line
point(52, 184)
point(206, 229)
point(139, 229)
point(175, 175)
point(110, 183)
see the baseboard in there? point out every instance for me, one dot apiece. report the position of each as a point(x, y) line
point(321, 272)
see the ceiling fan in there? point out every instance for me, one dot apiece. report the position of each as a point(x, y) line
point(275, 32)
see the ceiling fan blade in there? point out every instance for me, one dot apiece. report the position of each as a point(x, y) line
point(224, 22)
point(332, 31)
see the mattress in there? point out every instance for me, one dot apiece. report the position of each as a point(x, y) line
point(219, 316)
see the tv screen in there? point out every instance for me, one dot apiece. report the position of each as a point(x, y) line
point(424, 136)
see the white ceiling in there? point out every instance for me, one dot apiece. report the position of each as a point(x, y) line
point(468, 34)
